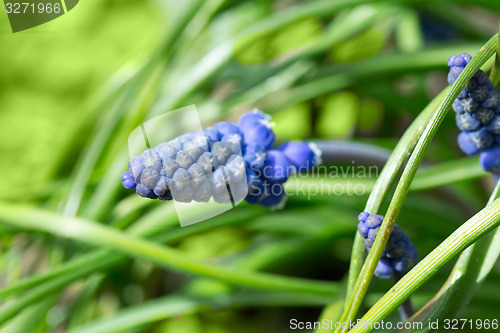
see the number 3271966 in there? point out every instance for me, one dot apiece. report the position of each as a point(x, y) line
point(463, 324)
point(26, 7)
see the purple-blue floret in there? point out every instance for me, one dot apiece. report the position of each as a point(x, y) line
point(478, 114)
point(226, 162)
point(399, 254)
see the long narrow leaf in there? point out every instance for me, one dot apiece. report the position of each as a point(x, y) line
point(409, 172)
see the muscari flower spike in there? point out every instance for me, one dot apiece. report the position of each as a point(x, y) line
point(477, 115)
point(399, 255)
point(225, 162)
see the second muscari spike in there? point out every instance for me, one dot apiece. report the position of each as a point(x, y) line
point(399, 255)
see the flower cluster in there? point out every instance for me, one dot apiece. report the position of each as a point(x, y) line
point(477, 114)
point(226, 162)
point(399, 254)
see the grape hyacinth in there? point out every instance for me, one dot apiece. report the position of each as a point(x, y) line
point(399, 255)
point(226, 162)
point(477, 114)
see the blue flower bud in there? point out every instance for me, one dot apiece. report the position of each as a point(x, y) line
point(374, 221)
point(363, 229)
point(479, 94)
point(260, 133)
point(162, 187)
point(470, 86)
point(396, 234)
point(470, 105)
point(398, 250)
point(484, 115)
point(467, 57)
point(462, 94)
point(166, 196)
point(145, 192)
point(166, 150)
point(136, 168)
point(467, 122)
point(180, 180)
point(480, 77)
point(274, 196)
point(218, 179)
point(254, 156)
point(406, 262)
point(256, 186)
point(384, 269)
point(491, 101)
point(221, 152)
point(399, 254)
point(276, 167)
point(482, 139)
point(226, 128)
point(363, 216)
point(184, 159)
point(248, 119)
point(451, 60)
point(302, 156)
point(372, 233)
point(457, 106)
point(169, 167)
point(459, 60)
point(235, 165)
point(494, 125)
point(127, 181)
point(453, 74)
point(151, 159)
point(193, 149)
point(490, 159)
point(205, 161)
point(466, 144)
point(212, 134)
point(196, 174)
point(369, 243)
point(149, 178)
point(234, 141)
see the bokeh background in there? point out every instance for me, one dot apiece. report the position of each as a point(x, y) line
point(73, 89)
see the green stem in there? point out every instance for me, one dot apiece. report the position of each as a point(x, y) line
point(495, 72)
point(92, 233)
point(469, 272)
point(157, 223)
point(387, 178)
point(409, 172)
point(383, 184)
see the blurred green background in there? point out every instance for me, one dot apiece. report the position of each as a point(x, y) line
point(73, 89)
point(54, 75)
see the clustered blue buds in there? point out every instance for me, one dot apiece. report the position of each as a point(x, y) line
point(399, 255)
point(227, 158)
point(477, 114)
